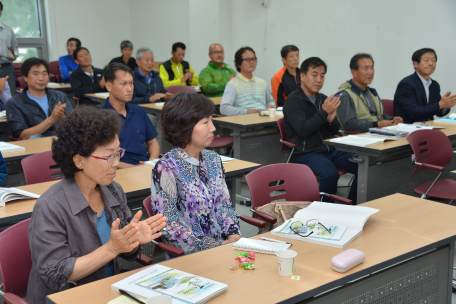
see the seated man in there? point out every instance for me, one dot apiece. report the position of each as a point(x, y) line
point(361, 107)
point(137, 127)
point(126, 48)
point(5, 92)
point(33, 113)
point(215, 76)
point(177, 71)
point(67, 64)
point(246, 94)
point(86, 79)
point(417, 96)
point(310, 118)
point(148, 85)
point(286, 81)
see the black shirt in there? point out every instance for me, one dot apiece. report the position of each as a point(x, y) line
point(131, 62)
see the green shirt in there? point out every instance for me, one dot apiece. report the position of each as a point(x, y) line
point(213, 80)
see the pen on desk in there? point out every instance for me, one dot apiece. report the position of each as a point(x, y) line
point(130, 296)
point(272, 240)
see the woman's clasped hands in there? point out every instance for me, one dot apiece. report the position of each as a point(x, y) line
point(127, 239)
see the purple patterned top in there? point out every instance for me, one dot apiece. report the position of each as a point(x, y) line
point(194, 197)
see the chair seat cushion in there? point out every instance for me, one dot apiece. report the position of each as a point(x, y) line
point(220, 142)
point(444, 188)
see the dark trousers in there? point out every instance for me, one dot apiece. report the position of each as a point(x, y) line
point(8, 70)
point(326, 165)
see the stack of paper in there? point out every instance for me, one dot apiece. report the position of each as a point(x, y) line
point(3, 114)
point(7, 147)
point(11, 194)
point(226, 158)
point(103, 94)
point(152, 163)
point(356, 140)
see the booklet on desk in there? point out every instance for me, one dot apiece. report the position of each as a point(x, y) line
point(11, 194)
point(353, 217)
point(181, 286)
point(356, 140)
point(7, 147)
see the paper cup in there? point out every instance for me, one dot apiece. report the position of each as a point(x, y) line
point(272, 112)
point(286, 262)
point(160, 300)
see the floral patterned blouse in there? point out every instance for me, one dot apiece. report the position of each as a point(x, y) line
point(194, 197)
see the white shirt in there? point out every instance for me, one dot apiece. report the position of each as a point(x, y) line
point(426, 84)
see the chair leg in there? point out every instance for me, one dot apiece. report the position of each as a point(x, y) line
point(424, 195)
point(289, 156)
point(450, 202)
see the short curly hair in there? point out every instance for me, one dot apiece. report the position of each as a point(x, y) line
point(181, 113)
point(81, 132)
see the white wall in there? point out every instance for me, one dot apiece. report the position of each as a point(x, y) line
point(100, 25)
point(333, 30)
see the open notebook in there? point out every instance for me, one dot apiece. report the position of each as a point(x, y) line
point(352, 217)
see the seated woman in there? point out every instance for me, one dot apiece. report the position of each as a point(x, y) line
point(188, 183)
point(81, 225)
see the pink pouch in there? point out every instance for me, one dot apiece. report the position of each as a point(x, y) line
point(347, 259)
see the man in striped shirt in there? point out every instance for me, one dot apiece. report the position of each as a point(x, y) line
point(246, 94)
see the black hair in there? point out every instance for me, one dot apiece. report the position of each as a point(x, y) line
point(416, 57)
point(109, 71)
point(181, 113)
point(179, 45)
point(81, 132)
point(312, 62)
point(287, 49)
point(354, 64)
point(238, 56)
point(31, 62)
point(76, 51)
point(1, 6)
point(78, 42)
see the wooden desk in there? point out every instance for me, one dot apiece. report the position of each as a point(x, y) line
point(64, 87)
point(97, 97)
point(15, 176)
point(135, 181)
point(256, 138)
point(422, 256)
point(387, 168)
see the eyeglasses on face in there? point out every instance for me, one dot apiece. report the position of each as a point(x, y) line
point(249, 59)
point(302, 229)
point(218, 52)
point(112, 158)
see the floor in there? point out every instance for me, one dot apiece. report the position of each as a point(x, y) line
point(248, 230)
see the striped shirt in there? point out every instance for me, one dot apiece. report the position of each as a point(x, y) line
point(7, 40)
point(242, 94)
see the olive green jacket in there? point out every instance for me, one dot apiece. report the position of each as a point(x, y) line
point(213, 80)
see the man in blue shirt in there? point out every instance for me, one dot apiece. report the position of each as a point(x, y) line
point(66, 63)
point(148, 84)
point(137, 129)
point(34, 112)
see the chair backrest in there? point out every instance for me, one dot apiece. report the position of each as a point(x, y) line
point(147, 203)
point(54, 68)
point(299, 183)
point(22, 82)
point(15, 258)
point(175, 89)
point(280, 123)
point(17, 72)
point(388, 106)
point(430, 147)
point(40, 168)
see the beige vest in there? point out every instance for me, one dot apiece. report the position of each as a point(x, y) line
point(362, 110)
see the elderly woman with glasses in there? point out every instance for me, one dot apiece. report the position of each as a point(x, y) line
point(188, 183)
point(81, 224)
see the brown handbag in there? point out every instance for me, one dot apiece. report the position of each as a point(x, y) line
point(282, 211)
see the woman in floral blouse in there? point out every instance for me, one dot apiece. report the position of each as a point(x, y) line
point(188, 183)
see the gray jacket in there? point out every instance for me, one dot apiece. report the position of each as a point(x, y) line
point(64, 227)
point(23, 113)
